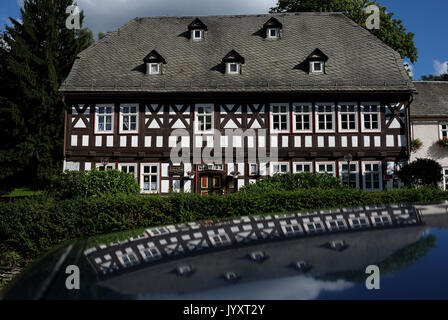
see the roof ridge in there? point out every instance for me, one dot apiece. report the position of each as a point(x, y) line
point(245, 15)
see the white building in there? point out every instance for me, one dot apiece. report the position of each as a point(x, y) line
point(429, 122)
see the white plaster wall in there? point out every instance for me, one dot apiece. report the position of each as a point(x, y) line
point(428, 133)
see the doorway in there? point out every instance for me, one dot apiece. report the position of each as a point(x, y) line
point(211, 184)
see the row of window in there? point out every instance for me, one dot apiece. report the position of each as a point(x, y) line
point(323, 115)
point(371, 173)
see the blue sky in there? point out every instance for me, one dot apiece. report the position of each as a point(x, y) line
point(426, 19)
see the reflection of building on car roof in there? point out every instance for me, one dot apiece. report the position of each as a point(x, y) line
point(178, 240)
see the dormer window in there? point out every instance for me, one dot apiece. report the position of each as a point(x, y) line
point(272, 28)
point(154, 68)
point(197, 30)
point(197, 34)
point(317, 61)
point(154, 63)
point(233, 61)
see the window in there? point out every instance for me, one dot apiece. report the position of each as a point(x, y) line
point(325, 118)
point(273, 33)
point(149, 178)
point(233, 67)
point(128, 118)
point(445, 179)
point(444, 130)
point(302, 167)
point(197, 34)
point(371, 117)
point(176, 186)
point(354, 174)
point(253, 169)
point(279, 167)
point(128, 168)
point(279, 118)
point(105, 166)
point(326, 167)
point(317, 66)
point(302, 117)
point(154, 68)
point(104, 119)
point(129, 259)
point(372, 176)
point(204, 118)
point(348, 117)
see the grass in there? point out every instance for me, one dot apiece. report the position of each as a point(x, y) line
point(21, 192)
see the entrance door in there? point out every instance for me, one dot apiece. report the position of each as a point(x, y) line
point(211, 184)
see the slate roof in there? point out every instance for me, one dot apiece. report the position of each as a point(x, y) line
point(431, 100)
point(357, 60)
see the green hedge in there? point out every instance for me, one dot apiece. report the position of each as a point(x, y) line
point(30, 225)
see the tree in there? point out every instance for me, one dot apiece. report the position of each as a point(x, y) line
point(392, 32)
point(431, 77)
point(37, 55)
point(421, 172)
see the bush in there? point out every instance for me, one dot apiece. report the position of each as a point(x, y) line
point(421, 172)
point(416, 144)
point(94, 183)
point(294, 181)
point(29, 226)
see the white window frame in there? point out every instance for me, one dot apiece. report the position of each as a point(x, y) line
point(294, 164)
point(105, 115)
point(159, 68)
point(109, 166)
point(296, 114)
point(332, 113)
point(251, 172)
point(176, 189)
point(193, 34)
point(313, 69)
point(197, 115)
point(380, 166)
point(128, 114)
point(364, 105)
point(277, 33)
point(279, 163)
point(238, 67)
point(348, 113)
point(281, 113)
point(355, 172)
point(445, 178)
point(326, 163)
point(143, 174)
point(134, 165)
point(442, 130)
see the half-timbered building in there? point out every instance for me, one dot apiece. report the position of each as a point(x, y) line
point(209, 104)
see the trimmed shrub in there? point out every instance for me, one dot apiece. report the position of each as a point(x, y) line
point(294, 181)
point(421, 172)
point(29, 226)
point(94, 183)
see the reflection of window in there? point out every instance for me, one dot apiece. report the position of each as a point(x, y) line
point(104, 119)
point(444, 130)
point(372, 175)
point(128, 168)
point(302, 167)
point(128, 118)
point(348, 117)
point(343, 174)
point(219, 239)
point(204, 118)
point(280, 118)
point(325, 118)
point(302, 117)
point(326, 167)
point(371, 117)
point(445, 178)
point(150, 178)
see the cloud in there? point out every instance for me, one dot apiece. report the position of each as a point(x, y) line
point(440, 67)
point(106, 15)
point(409, 67)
